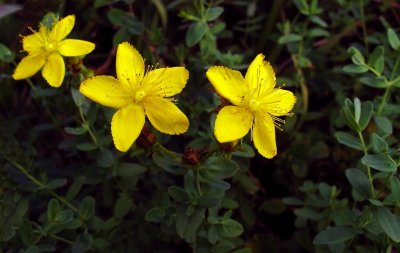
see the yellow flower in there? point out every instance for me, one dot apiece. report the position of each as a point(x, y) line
point(45, 50)
point(256, 104)
point(136, 93)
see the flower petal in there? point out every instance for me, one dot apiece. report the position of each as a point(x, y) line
point(260, 76)
point(106, 90)
point(165, 82)
point(130, 65)
point(232, 123)
point(278, 102)
point(165, 116)
point(71, 48)
point(229, 83)
point(28, 66)
point(34, 43)
point(264, 135)
point(126, 125)
point(62, 28)
point(54, 70)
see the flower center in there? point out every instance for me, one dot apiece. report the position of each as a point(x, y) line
point(254, 105)
point(139, 95)
point(49, 46)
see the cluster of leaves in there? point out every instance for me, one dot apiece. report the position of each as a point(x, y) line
point(332, 188)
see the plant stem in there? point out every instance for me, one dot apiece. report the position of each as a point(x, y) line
point(197, 178)
point(364, 27)
point(382, 104)
point(162, 148)
point(41, 185)
point(87, 126)
point(371, 184)
point(391, 82)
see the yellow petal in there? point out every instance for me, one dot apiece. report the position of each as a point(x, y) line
point(54, 70)
point(62, 28)
point(34, 43)
point(126, 125)
point(165, 82)
point(71, 48)
point(106, 90)
point(29, 66)
point(260, 76)
point(264, 135)
point(232, 123)
point(165, 116)
point(278, 102)
point(229, 83)
point(130, 65)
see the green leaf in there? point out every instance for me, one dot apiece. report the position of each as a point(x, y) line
point(156, 214)
point(274, 206)
point(208, 201)
point(395, 188)
point(359, 181)
point(123, 206)
point(379, 162)
point(356, 56)
point(213, 13)
point(75, 187)
point(120, 36)
point(87, 207)
point(178, 194)
point(230, 228)
point(82, 244)
point(376, 59)
point(352, 68)
point(388, 222)
point(318, 32)
point(170, 164)
point(244, 150)
point(378, 144)
point(116, 16)
point(293, 201)
point(375, 202)
point(384, 124)
point(100, 3)
point(75, 130)
point(216, 168)
point(129, 170)
point(212, 234)
point(304, 62)
point(195, 33)
point(53, 208)
point(307, 213)
point(365, 114)
point(350, 120)
point(349, 140)
point(87, 146)
point(186, 226)
point(133, 25)
point(357, 109)
point(317, 20)
point(289, 38)
point(333, 235)
point(375, 82)
point(218, 27)
point(56, 183)
point(26, 232)
point(105, 158)
point(77, 97)
point(6, 54)
point(393, 39)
